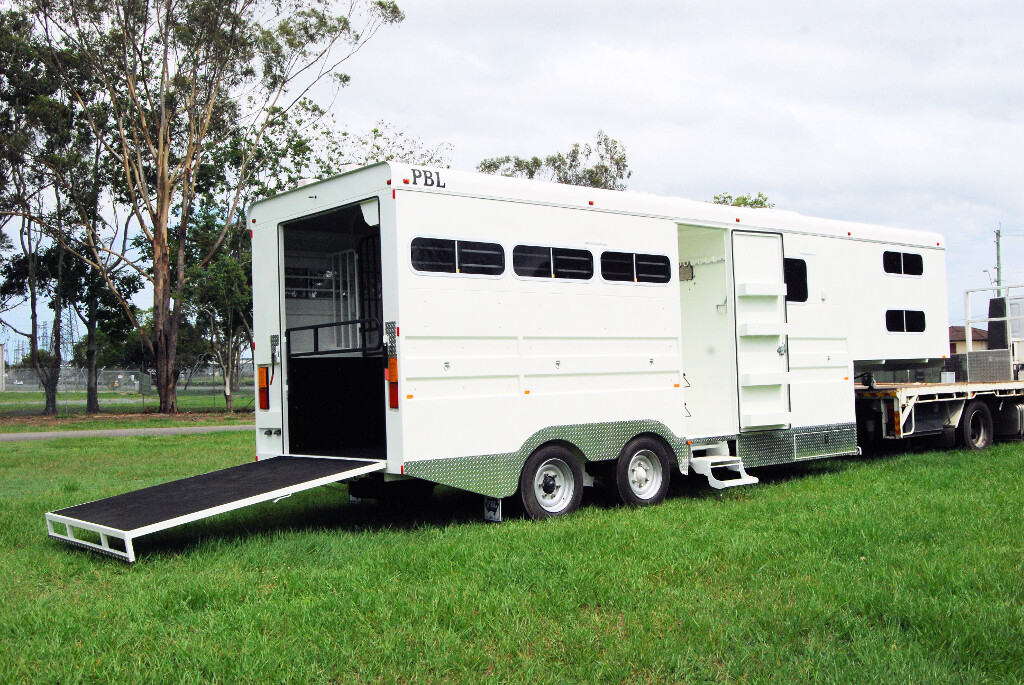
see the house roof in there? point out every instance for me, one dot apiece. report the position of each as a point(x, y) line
point(956, 334)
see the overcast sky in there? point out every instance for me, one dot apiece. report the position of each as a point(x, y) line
point(902, 113)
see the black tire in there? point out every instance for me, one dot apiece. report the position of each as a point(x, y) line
point(976, 427)
point(551, 483)
point(642, 472)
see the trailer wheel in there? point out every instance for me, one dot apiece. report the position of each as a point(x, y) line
point(976, 427)
point(642, 472)
point(551, 483)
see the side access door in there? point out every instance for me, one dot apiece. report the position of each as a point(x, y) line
point(762, 351)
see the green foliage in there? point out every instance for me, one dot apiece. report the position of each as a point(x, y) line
point(760, 201)
point(603, 165)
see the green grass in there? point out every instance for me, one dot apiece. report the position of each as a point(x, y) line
point(29, 403)
point(904, 568)
point(104, 420)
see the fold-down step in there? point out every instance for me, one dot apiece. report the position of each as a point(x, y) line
point(133, 514)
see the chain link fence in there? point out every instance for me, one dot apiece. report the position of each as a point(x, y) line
point(122, 391)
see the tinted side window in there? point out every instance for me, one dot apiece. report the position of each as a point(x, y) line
point(433, 254)
point(653, 268)
point(904, 321)
point(481, 258)
point(576, 264)
point(915, 321)
point(894, 321)
point(913, 264)
point(794, 272)
point(892, 262)
point(530, 261)
point(617, 266)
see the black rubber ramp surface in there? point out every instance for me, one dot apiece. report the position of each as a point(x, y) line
point(141, 508)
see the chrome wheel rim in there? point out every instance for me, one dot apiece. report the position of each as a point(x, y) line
point(554, 485)
point(644, 474)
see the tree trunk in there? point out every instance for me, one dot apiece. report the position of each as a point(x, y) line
point(92, 401)
point(229, 401)
point(52, 374)
point(164, 337)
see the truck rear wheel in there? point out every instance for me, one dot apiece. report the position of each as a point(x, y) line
point(551, 483)
point(642, 472)
point(976, 428)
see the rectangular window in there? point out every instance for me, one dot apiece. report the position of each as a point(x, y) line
point(433, 255)
point(906, 263)
point(531, 262)
point(636, 268)
point(481, 258)
point(617, 266)
point(915, 321)
point(653, 268)
point(892, 262)
point(913, 264)
point(794, 272)
point(303, 283)
point(904, 321)
point(575, 264)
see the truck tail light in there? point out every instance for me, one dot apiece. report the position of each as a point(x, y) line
point(393, 382)
point(264, 386)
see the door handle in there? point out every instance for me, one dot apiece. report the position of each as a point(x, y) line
point(783, 348)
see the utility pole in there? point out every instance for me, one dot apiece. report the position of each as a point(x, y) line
point(999, 259)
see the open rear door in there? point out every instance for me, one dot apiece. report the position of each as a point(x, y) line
point(762, 351)
point(118, 520)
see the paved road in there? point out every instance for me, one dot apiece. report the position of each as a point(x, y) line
point(119, 432)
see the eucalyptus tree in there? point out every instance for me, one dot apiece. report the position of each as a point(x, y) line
point(603, 165)
point(176, 80)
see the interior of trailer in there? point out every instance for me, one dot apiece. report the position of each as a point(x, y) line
point(334, 342)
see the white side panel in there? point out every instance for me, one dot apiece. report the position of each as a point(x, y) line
point(486, 362)
point(709, 345)
point(761, 351)
point(267, 322)
point(820, 362)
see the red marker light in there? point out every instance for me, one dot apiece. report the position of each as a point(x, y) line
point(254, 220)
point(591, 202)
point(389, 181)
point(405, 180)
point(737, 219)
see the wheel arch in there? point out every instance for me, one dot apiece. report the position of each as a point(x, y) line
point(673, 458)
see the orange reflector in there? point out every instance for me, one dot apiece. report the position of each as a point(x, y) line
point(264, 386)
point(408, 397)
point(526, 392)
point(675, 385)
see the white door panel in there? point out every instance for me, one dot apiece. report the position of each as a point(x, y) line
point(762, 355)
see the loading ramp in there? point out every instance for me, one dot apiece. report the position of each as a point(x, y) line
point(120, 519)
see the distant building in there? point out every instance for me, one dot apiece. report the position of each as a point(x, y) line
point(958, 341)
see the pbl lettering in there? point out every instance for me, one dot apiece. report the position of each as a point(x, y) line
point(431, 179)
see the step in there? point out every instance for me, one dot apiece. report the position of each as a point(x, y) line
point(705, 466)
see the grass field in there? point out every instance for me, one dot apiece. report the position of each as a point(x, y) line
point(901, 568)
point(26, 403)
point(107, 420)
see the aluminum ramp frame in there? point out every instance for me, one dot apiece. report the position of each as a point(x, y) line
point(141, 512)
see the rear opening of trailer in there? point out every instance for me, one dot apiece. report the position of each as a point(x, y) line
point(334, 355)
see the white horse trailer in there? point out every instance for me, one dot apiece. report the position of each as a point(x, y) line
point(527, 339)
